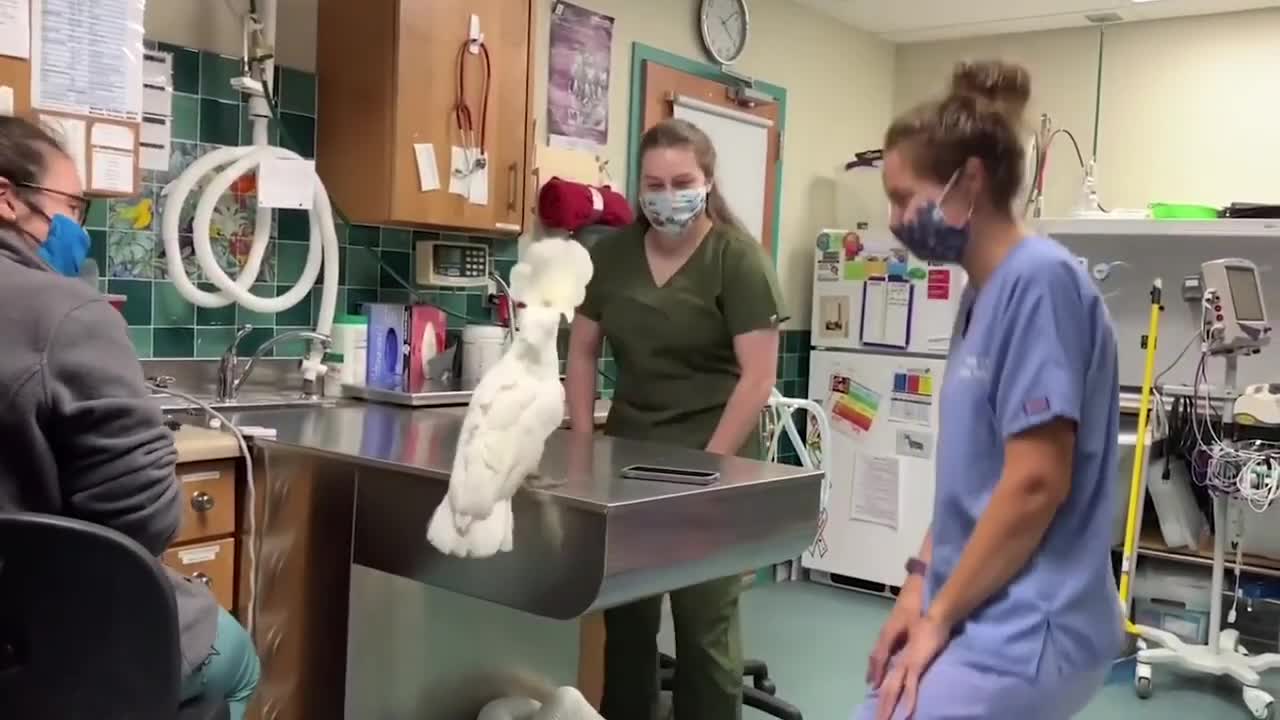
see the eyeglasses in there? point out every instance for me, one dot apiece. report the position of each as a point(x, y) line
point(80, 203)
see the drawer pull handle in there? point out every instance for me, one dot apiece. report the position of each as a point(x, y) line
point(512, 177)
point(201, 577)
point(202, 502)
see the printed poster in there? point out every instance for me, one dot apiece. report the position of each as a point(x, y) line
point(578, 83)
point(852, 405)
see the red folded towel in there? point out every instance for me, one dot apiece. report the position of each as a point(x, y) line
point(570, 206)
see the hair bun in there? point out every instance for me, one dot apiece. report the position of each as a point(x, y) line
point(1005, 87)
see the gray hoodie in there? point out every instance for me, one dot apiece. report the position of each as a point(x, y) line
point(82, 438)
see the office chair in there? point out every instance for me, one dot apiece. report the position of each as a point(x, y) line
point(88, 626)
point(759, 694)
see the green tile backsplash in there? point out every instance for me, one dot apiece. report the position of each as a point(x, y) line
point(208, 114)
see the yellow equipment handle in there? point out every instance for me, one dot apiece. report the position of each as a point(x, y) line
point(1139, 459)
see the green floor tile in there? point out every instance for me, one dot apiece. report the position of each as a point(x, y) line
point(186, 117)
point(137, 309)
point(297, 91)
point(173, 342)
point(211, 342)
point(170, 308)
point(216, 72)
point(186, 68)
point(219, 122)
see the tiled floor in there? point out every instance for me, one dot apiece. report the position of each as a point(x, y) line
point(816, 639)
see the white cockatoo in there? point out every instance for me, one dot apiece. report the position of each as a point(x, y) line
point(564, 703)
point(515, 407)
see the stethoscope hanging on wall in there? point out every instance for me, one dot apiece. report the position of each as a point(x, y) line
point(472, 137)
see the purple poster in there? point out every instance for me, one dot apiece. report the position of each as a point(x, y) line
point(578, 91)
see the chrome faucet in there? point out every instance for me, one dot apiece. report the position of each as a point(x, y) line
point(231, 379)
point(511, 306)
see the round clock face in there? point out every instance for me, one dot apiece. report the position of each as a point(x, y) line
point(724, 29)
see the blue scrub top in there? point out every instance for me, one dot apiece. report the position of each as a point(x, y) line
point(1038, 346)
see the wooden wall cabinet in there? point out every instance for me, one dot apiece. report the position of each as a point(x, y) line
point(387, 74)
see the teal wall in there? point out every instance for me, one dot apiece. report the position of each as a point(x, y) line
point(208, 114)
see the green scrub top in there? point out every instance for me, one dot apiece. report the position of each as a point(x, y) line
point(673, 344)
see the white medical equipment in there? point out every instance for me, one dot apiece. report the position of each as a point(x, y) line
point(452, 264)
point(1259, 405)
point(1234, 316)
point(231, 163)
point(780, 418)
point(1235, 324)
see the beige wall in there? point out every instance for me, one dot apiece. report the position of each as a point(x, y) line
point(1188, 106)
point(838, 80)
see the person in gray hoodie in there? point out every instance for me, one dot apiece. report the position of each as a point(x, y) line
point(83, 439)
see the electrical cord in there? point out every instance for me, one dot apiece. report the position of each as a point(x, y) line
point(250, 492)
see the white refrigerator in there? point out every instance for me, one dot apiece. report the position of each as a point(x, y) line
point(882, 323)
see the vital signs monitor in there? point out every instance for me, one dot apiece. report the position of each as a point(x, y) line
point(1235, 316)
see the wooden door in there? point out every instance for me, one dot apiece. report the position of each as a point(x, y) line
point(663, 84)
point(430, 36)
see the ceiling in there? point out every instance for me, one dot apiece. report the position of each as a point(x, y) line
point(907, 21)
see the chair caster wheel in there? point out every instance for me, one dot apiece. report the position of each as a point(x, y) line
point(1142, 686)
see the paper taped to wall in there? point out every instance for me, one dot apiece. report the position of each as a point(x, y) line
point(875, 491)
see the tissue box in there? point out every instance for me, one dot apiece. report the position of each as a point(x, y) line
point(388, 346)
point(426, 340)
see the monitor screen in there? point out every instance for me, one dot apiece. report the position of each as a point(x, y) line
point(1244, 294)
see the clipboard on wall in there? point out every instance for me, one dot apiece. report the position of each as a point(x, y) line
point(887, 305)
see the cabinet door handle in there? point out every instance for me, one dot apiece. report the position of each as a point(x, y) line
point(202, 502)
point(201, 577)
point(512, 176)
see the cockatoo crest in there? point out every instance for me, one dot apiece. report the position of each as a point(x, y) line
point(553, 273)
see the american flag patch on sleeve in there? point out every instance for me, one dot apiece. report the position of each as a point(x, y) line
point(1036, 406)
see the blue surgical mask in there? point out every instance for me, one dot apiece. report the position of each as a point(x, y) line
point(671, 212)
point(930, 237)
point(66, 247)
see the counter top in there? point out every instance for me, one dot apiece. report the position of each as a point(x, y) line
point(591, 540)
point(200, 444)
point(422, 443)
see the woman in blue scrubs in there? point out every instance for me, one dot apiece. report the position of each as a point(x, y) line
point(1010, 610)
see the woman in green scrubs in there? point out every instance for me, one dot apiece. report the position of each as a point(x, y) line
point(690, 306)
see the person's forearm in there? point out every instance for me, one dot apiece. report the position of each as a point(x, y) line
point(741, 415)
point(1006, 536)
point(580, 392)
point(926, 547)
